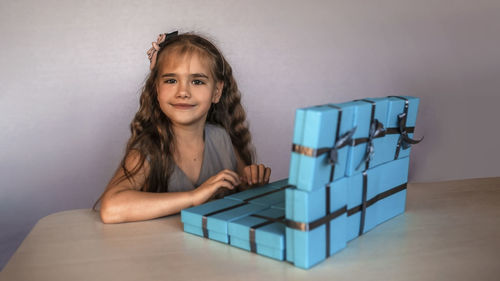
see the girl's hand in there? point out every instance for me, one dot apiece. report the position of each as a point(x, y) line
point(256, 174)
point(224, 179)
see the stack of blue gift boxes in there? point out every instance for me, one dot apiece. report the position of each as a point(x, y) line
point(348, 173)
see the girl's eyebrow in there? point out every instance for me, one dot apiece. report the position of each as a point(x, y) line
point(194, 75)
point(199, 75)
point(168, 75)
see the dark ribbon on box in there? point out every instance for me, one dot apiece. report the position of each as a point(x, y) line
point(376, 130)
point(344, 140)
point(302, 226)
point(404, 140)
point(251, 235)
point(246, 201)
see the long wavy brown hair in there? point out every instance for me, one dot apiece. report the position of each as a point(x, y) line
point(151, 129)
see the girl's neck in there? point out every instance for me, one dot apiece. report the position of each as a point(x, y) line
point(189, 134)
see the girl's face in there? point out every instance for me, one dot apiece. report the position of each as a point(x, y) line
point(186, 89)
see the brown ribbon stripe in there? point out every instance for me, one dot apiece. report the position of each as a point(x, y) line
point(377, 198)
point(407, 104)
point(246, 201)
point(311, 152)
point(253, 243)
point(302, 226)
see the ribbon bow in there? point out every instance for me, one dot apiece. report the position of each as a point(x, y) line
point(153, 52)
point(376, 130)
point(344, 140)
point(406, 141)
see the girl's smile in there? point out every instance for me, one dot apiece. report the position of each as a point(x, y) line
point(183, 106)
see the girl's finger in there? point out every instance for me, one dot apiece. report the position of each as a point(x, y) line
point(225, 184)
point(261, 173)
point(267, 175)
point(228, 175)
point(255, 173)
point(248, 174)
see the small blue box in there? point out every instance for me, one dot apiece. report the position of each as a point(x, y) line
point(260, 191)
point(308, 246)
point(396, 108)
point(315, 134)
point(210, 220)
point(268, 237)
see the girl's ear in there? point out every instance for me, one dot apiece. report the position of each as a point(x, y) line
point(217, 92)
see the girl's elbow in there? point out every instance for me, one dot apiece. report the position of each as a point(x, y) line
point(109, 214)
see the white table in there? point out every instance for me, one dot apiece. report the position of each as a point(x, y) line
point(450, 231)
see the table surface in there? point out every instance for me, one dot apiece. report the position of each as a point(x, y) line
point(450, 231)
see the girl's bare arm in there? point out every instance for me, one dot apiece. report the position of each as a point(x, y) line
point(124, 202)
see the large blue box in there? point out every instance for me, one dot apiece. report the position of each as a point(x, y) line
point(360, 202)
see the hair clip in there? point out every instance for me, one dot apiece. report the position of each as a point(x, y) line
point(162, 38)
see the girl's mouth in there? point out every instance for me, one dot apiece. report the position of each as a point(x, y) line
point(183, 105)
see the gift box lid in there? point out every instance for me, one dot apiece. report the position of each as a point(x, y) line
point(397, 106)
point(280, 205)
point(260, 191)
point(218, 222)
point(320, 124)
point(270, 199)
point(267, 232)
point(193, 215)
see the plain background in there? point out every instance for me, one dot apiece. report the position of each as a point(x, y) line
point(71, 73)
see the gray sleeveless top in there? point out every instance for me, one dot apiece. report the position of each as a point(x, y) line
point(217, 156)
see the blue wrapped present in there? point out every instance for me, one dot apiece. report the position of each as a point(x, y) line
point(389, 134)
point(262, 233)
point(376, 195)
point(316, 223)
point(401, 120)
point(320, 144)
point(356, 205)
point(280, 206)
point(268, 195)
point(210, 219)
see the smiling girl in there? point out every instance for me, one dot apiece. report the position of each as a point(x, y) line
point(189, 142)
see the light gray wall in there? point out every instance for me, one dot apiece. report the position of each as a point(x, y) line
point(70, 74)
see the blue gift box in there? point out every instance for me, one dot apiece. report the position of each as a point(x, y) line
point(312, 233)
point(402, 114)
point(320, 144)
point(357, 204)
point(262, 233)
point(266, 195)
point(210, 219)
point(376, 195)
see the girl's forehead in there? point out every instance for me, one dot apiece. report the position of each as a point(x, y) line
point(173, 59)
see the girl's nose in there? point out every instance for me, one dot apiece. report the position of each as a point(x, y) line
point(183, 91)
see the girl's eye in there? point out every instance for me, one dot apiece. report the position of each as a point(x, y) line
point(170, 81)
point(198, 82)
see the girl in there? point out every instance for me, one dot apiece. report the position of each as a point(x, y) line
point(189, 142)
